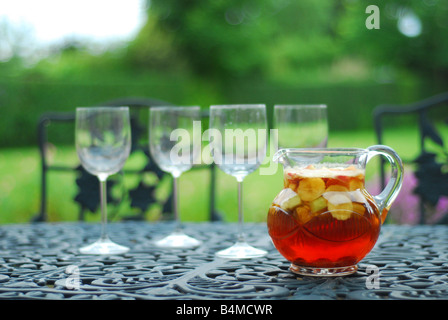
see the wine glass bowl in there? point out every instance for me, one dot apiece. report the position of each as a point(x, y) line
point(301, 126)
point(103, 143)
point(238, 144)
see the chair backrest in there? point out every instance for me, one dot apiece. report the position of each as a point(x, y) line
point(87, 185)
point(432, 158)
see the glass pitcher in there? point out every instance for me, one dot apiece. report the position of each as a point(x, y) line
point(324, 221)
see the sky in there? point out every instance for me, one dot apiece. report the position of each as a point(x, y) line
point(48, 22)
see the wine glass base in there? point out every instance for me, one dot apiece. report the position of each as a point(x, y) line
point(241, 250)
point(104, 246)
point(323, 272)
point(178, 240)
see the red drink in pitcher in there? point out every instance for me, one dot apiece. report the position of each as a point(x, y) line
point(324, 221)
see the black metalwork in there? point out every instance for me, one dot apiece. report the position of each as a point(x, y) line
point(41, 262)
point(88, 185)
point(431, 165)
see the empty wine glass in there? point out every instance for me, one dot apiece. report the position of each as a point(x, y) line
point(238, 144)
point(301, 126)
point(103, 143)
point(173, 149)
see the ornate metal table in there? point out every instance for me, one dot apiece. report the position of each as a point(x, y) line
point(41, 261)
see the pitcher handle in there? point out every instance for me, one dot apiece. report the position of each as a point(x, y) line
point(387, 196)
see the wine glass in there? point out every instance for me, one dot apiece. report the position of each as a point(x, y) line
point(167, 125)
point(238, 144)
point(301, 126)
point(103, 143)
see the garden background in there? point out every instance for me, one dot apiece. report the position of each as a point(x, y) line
point(222, 52)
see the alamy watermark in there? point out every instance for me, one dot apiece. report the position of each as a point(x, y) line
point(73, 282)
point(228, 147)
point(373, 20)
point(373, 278)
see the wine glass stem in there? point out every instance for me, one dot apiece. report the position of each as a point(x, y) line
point(240, 211)
point(103, 197)
point(176, 202)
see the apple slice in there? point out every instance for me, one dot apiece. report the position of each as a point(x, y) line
point(287, 199)
point(340, 206)
point(336, 188)
point(302, 214)
point(318, 204)
point(358, 208)
point(293, 186)
point(310, 189)
point(291, 203)
point(356, 184)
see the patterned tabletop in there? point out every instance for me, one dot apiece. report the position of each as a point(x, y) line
point(41, 261)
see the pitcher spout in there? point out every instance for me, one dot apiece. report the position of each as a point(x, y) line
point(280, 155)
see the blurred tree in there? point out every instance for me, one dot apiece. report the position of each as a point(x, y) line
point(226, 39)
point(14, 39)
point(413, 36)
point(212, 38)
point(282, 39)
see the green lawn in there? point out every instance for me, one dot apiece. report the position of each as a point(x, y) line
point(20, 183)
